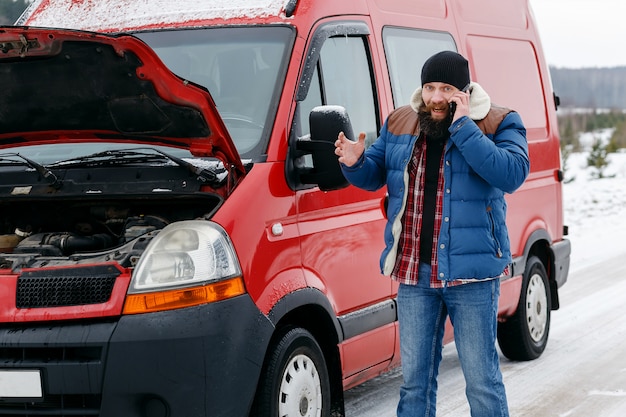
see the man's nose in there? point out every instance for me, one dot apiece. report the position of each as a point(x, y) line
point(439, 97)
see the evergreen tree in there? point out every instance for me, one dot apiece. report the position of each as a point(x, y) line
point(618, 139)
point(598, 158)
point(566, 151)
point(569, 134)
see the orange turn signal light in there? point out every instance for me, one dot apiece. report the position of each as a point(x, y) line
point(184, 297)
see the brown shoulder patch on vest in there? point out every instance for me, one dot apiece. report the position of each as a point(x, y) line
point(490, 123)
point(403, 120)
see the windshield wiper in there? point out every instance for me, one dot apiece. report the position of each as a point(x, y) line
point(205, 175)
point(42, 170)
point(129, 156)
point(112, 157)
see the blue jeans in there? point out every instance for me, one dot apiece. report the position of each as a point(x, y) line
point(422, 313)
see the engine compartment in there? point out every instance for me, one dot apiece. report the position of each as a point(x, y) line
point(63, 230)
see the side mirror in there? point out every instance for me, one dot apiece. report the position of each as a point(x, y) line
point(325, 122)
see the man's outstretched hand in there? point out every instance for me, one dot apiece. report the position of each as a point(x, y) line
point(349, 151)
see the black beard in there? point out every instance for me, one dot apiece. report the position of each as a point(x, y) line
point(433, 129)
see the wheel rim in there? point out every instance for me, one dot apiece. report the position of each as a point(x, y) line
point(300, 389)
point(536, 308)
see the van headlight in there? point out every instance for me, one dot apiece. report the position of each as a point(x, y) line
point(185, 254)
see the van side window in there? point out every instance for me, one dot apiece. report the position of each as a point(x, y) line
point(343, 76)
point(406, 50)
point(515, 81)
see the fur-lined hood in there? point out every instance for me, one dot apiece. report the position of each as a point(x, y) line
point(480, 103)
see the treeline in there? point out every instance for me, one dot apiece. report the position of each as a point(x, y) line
point(10, 10)
point(572, 124)
point(593, 88)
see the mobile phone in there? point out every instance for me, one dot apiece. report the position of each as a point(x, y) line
point(453, 103)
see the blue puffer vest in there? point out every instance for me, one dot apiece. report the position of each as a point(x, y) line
point(485, 156)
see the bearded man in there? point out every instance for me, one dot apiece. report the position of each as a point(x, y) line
point(447, 160)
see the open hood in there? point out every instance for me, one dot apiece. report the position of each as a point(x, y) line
point(63, 85)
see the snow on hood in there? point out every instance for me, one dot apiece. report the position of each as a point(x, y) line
point(107, 15)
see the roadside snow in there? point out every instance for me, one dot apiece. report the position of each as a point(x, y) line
point(595, 209)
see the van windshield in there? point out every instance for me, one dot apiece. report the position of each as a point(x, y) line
point(242, 67)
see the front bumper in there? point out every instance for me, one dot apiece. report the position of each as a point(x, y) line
point(199, 361)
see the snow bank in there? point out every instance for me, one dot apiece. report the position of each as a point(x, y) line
point(595, 209)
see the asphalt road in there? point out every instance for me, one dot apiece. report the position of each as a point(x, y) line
point(582, 372)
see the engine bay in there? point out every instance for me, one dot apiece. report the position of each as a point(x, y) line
point(99, 214)
point(66, 231)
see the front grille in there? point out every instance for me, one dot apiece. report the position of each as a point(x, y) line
point(54, 405)
point(71, 355)
point(65, 286)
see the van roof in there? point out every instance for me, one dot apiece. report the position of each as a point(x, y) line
point(134, 15)
point(118, 15)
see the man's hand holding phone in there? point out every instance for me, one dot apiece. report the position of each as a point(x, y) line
point(459, 103)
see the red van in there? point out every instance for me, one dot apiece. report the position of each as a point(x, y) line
point(176, 238)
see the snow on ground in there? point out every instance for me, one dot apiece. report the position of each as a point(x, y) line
point(595, 209)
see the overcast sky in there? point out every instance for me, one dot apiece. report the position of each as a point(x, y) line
point(582, 33)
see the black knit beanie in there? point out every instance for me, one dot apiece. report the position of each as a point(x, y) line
point(446, 67)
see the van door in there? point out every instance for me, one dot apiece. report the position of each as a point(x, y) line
point(342, 231)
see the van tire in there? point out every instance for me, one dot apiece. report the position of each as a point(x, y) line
point(294, 380)
point(524, 335)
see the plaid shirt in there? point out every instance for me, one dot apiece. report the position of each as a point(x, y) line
point(407, 261)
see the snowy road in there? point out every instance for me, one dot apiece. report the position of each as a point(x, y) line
point(582, 372)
